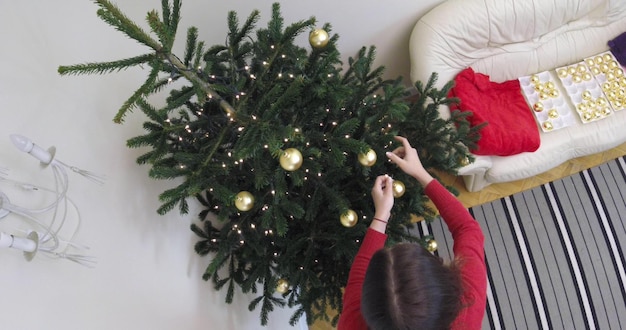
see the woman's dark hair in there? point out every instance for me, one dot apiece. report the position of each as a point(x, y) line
point(407, 287)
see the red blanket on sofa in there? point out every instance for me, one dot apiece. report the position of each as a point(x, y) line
point(511, 128)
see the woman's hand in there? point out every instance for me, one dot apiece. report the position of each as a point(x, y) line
point(382, 195)
point(407, 159)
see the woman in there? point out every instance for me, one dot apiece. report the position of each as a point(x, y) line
point(405, 286)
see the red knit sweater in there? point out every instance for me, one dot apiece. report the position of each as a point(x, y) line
point(468, 244)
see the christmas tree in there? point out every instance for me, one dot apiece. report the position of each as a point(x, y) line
point(280, 144)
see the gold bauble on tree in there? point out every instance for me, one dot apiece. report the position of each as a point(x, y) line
point(291, 159)
point(319, 38)
point(349, 219)
point(398, 188)
point(368, 158)
point(464, 161)
point(282, 286)
point(431, 245)
point(244, 201)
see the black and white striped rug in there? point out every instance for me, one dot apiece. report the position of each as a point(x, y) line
point(554, 253)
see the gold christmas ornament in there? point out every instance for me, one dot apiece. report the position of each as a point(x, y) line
point(571, 70)
point(291, 159)
point(547, 125)
point(534, 79)
point(538, 107)
point(431, 245)
point(554, 93)
point(398, 188)
point(464, 161)
point(349, 219)
point(244, 201)
point(368, 158)
point(282, 286)
point(318, 38)
point(553, 114)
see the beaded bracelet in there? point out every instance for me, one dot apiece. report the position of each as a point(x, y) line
point(381, 220)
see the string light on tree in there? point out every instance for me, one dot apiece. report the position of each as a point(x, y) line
point(349, 218)
point(319, 38)
point(368, 158)
point(244, 201)
point(291, 159)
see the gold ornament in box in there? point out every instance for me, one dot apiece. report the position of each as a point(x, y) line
point(544, 94)
point(584, 91)
point(609, 73)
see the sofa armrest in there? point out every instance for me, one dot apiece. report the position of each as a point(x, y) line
point(481, 164)
point(474, 174)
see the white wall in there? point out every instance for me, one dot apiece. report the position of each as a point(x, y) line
point(147, 275)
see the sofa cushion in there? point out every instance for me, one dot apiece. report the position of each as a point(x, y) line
point(511, 127)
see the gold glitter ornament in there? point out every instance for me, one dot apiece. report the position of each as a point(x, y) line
point(319, 38)
point(547, 125)
point(595, 70)
point(349, 219)
point(282, 286)
point(553, 114)
point(368, 158)
point(244, 201)
point(398, 188)
point(554, 93)
point(598, 60)
point(431, 245)
point(464, 161)
point(571, 70)
point(291, 159)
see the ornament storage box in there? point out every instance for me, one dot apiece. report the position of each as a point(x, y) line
point(593, 89)
point(547, 100)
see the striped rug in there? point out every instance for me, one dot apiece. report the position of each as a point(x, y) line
point(554, 253)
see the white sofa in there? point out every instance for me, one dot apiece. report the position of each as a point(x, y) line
point(508, 39)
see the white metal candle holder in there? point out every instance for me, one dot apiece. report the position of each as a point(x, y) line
point(45, 237)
